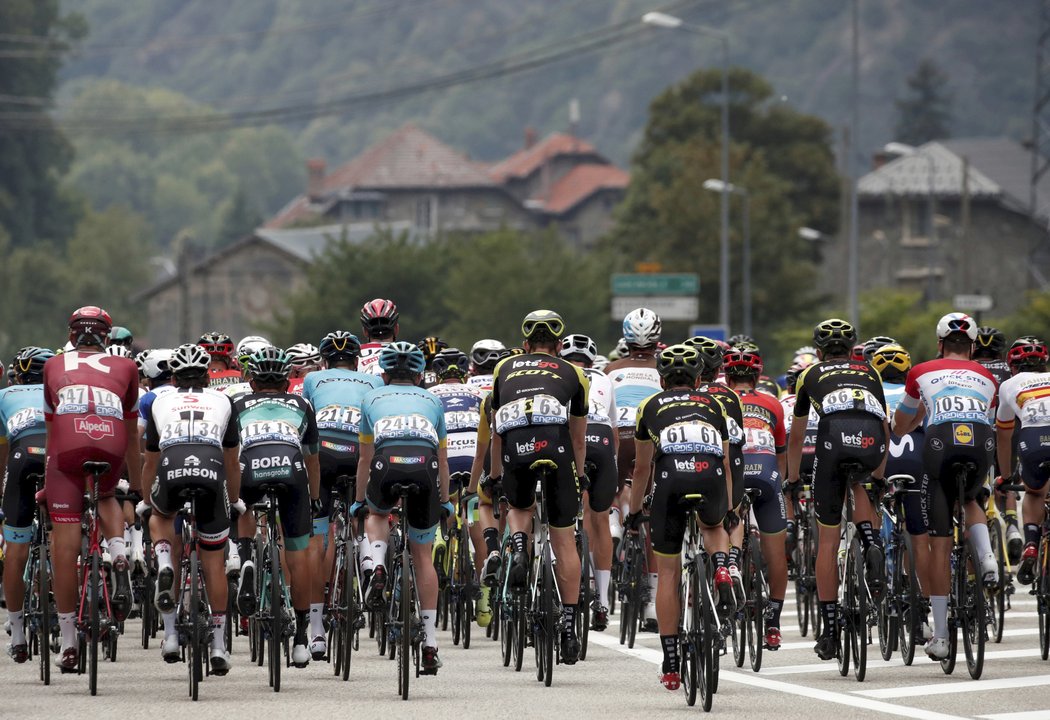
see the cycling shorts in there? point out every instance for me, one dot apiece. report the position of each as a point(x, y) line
point(736, 467)
point(25, 458)
point(601, 468)
point(65, 481)
point(195, 467)
point(407, 465)
point(281, 466)
point(1032, 452)
point(905, 458)
point(337, 457)
point(675, 476)
point(947, 444)
point(760, 471)
point(843, 437)
point(524, 446)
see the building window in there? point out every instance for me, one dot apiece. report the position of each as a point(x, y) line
point(425, 213)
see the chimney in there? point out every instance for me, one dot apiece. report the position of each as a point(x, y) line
point(530, 137)
point(880, 158)
point(315, 168)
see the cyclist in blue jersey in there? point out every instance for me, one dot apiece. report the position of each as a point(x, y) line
point(22, 435)
point(403, 442)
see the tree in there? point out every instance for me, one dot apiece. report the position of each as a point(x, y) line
point(33, 153)
point(239, 218)
point(925, 112)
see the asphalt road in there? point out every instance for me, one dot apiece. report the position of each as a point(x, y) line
point(612, 682)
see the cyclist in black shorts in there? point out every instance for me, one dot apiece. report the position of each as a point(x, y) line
point(279, 442)
point(192, 443)
point(847, 395)
point(682, 442)
point(539, 411)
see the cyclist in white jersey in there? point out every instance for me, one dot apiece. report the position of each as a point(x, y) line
point(483, 358)
point(379, 322)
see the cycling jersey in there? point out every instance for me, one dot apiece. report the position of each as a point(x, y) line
point(368, 361)
point(999, 369)
point(336, 396)
point(295, 386)
point(22, 429)
point(832, 386)
point(734, 411)
point(277, 419)
point(905, 458)
point(481, 382)
point(768, 385)
point(21, 412)
point(809, 441)
point(237, 390)
point(765, 437)
point(601, 455)
point(952, 391)
point(631, 386)
point(87, 398)
point(190, 417)
point(146, 403)
point(403, 415)
point(219, 379)
point(764, 432)
point(462, 405)
point(1027, 396)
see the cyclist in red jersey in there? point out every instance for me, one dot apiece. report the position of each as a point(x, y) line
point(91, 414)
point(379, 322)
point(222, 371)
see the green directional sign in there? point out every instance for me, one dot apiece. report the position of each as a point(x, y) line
point(656, 284)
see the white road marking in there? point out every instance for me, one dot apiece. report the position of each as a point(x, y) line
point(951, 688)
point(877, 663)
point(1025, 715)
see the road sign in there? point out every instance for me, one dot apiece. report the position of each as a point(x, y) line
point(656, 284)
point(668, 307)
point(715, 332)
point(973, 303)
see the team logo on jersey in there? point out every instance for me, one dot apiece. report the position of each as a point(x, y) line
point(963, 433)
point(857, 441)
point(193, 461)
point(691, 465)
point(34, 450)
point(95, 427)
point(530, 447)
point(407, 459)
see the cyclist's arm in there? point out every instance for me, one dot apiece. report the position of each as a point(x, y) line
point(231, 460)
point(149, 472)
point(904, 421)
point(1004, 448)
point(3, 459)
point(443, 477)
point(796, 439)
point(133, 453)
point(578, 433)
point(880, 472)
point(496, 456)
point(313, 474)
point(727, 464)
point(367, 451)
point(643, 460)
point(477, 467)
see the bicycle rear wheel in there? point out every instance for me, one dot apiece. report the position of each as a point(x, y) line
point(707, 636)
point(404, 638)
point(506, 635)
point(43, 589)
point(583, 607)
point(1042, 599)
point(94, 584)
point(466, 586)
point(348, 628)
point(972, 620)
point(909, 610)
point(997, 600)
point(194, 637)
point(632, 602)
point(689, 652)
point(857, 611)
point(546, 621)
point(521, 630)
point(276, 611)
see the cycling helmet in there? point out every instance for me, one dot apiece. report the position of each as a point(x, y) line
point(578, 344)
point(600, 363)
point(680, 360)
point(249, 346)
point(218, 345)
point(379, 317)
point(542, 323)
point(120, 336)
point(1029, 355)
point(805, 350)
point(621, 349)
point(1025, 340)
point(957, 322)
point(641, 328)
point(735, 340)
point(791, 377)
point(90, 325)
point(891, 361)
point(513, 351)
point(189, 359)
point(991, 342)
point(834, 334)
point(485, 354)
point(28, 365)
point(155, 364)
point(303, 355)
point(742, 363)
point(450, 362)
point(748, 346)
point(873, 344)
point(140, 360)
point(711, 352)
point(268, 365)
point(339, 345)
point(430, 346)
point(402, 358)
point(119, 351)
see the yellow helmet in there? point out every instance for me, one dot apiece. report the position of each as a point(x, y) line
point(891, 356)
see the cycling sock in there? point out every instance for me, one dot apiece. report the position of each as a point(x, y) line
point(940, 615)
point(790, 527)
point(116, 548)
point(168, 619)
point(520, 541)
point(378, 553)
point(162, 551)
point(218, 631)
point(136, 539)
point(830, 612)
point(1011, 517)
point(719, 558)
point(302, 621)
point(1031, 533)
point(773, 612)
point(601, 579)
point(429, 627)
point(734, 555)
point(491, 536)
point(244, 549)
point(18, 628)
point(670, 646)
point(568, 619)
point(982, 544)
point(127, 541)
point(615, 523)
point(316, 619)
point(867, 533)
point(67, 622)
point(366, 562)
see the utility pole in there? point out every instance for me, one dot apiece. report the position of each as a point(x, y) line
point(854, 244)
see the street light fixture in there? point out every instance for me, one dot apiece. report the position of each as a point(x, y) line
point(720, 187)
point(811, 234)
point(670, 22)
point(905, 150)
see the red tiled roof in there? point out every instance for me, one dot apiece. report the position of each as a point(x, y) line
point(580, 183)
point(524, 162)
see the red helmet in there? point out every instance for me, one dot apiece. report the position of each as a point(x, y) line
point(736, 363)
point(90, 324)
point(857, 353)
point(379, 317)
point(217, 344)
point(1029, 354)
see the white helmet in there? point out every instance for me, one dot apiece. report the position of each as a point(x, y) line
point(641, 328)
point(303, 355)
point(578, 344)
point(119, 350)
point(600, 363)
point(155, 363)
point(485, 353)
point(621, 350)
point(251, 344)
point(957, 322)
point(189, 359)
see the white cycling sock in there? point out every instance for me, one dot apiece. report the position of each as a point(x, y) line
point(116, 547)
point(615, 524)
point(430, 627)
point(127, 541)
point(601, 579)
point(364, 554)
point(168, 619)
point(982, 544)
point(18, 628)
point(317, 619)
point(136, 539)
point(67, 623)
point(378, 553)
point(939, 603)
point(218, 631)
point(162, 551)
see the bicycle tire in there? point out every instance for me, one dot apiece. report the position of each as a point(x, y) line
point(93, 639)
point(404, 645)
point(756, 610)
point(46, 619)
point(842, 637)
point(148, 612)
point(521, 630)
point(276, 608)
point(739, 617)
point(636, 591)
point(948, 663)
point(194, 639)
point(689, 653)
point(547, 619)
point(707, 670)
point(972, 617)
point(859, 612)
point(1042, 599)
point(348, 600)
point(888, 616)
point(466, 572)
point(583, 604)
point(802, 599)
point(506, 636)
point(908, 603)
point(335, 604)
point(997, 605)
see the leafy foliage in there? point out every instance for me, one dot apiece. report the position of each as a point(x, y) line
point(925, 113)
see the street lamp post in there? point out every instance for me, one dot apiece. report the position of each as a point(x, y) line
point(724, 188)
point(898, 148)
point(663, 20)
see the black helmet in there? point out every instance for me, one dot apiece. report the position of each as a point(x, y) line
point(873, 344)
point(268, 365)
point(711, 353)
point(991, 342)
point(28, 366)
point(430, 346)
point(339, 345)
point(680, 360)
point(735, 340)
point(834, 334)
point(451, 362)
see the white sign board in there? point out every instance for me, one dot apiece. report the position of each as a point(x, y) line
point(668, 307)
point(973, 303)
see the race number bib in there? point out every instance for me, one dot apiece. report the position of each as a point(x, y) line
point(947, 408)
point(1033, 412)
point(191, 431)
point(736, 433)
point(405, 427)
point(598, 413)
point(852, 399)
point(691, 437)
point(459, 420)
point(759, 440)
point(78, 399)
point(537, 410)
point(626, 416)
point(269, 431)
point(341, 418)
point(23, 420)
